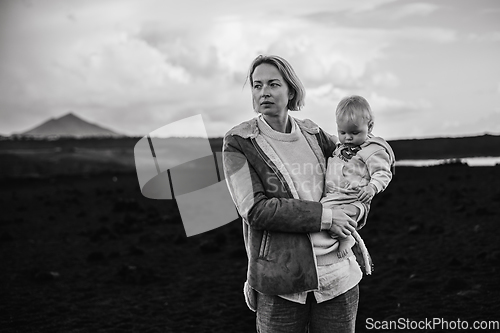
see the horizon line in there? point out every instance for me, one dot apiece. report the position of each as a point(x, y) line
point(123, 136)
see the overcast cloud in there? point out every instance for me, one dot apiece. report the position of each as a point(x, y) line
point(427, 68)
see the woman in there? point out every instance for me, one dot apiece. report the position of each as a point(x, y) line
point(274, 166)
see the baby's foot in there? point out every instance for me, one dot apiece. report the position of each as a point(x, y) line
point(344, 246)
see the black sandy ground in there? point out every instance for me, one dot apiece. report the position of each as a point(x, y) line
point(90, 254)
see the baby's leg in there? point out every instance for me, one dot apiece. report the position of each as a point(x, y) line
point(346, 243)
point(351, 210)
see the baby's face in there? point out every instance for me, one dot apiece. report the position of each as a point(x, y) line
point(352, 134)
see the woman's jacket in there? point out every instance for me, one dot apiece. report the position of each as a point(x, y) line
point(276, 224)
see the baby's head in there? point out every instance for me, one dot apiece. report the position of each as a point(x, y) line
point(354, 120)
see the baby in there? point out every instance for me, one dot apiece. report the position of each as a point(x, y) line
point(360, 166)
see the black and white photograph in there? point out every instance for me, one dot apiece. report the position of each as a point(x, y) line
point(249, 166)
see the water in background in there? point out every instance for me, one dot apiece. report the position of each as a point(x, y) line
point(471, 161)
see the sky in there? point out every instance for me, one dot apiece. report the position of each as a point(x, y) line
point(427, 68)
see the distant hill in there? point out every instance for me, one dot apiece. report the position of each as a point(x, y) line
point(69, 125)
point(443, 148)
point(409, 149)
point(28, 156)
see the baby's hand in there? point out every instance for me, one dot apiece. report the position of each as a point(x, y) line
point(366, 193)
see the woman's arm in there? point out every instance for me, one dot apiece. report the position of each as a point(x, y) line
point(263, 212)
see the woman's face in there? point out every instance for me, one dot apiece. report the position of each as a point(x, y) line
point(270, 91)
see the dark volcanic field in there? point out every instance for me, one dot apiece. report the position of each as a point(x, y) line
point(88, 253)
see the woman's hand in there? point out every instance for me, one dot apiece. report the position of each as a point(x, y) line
point(342, 223)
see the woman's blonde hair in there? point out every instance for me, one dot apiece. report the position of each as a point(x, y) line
point(354, 108)
point(286, 70)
